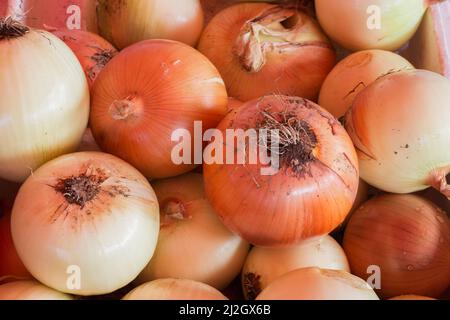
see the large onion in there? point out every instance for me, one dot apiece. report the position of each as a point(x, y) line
point(30, 290)
point(85, 223)
point(44, 102)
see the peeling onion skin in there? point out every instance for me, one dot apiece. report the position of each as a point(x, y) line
point(318, 284)
point(408, 237)
point(174, 289)
point(109, 232)
point(192, 232)
point(399, 125)
point(294, 204)
point(297, 64)
point(30, 290)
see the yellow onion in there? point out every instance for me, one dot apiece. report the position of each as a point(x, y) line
point(264, 265)
point(318, 284)
point(405, 237)
point(44, 104)
point(30, 290)
point(370, 24)
point(353, 74)
point(191, 232)
point(411, 297)
point(174, 289)
point(85, 223)
point(400, 128)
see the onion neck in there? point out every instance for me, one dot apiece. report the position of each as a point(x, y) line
point(124, 109)
point(278, 29)
point(173, 210)
point(440, 180)
point(11, 29)
point(81, 189)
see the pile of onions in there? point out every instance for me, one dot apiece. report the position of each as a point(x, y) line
point(399, 125)
point(318, 284)
point(145, 94)
point(408, 238)
point(85, 223)
point(124, 23)
point(191, 232)
point(371, 24)
point(263, 49)
point(45, 99)
point(92, 51)
point(264, 265)
point(30, 290)
point(311, 193)
point(174, 289)
point(353, 74)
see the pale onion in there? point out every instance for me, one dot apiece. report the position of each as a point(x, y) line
point(86, 217)
point(353, 74)
point(191, 232)
point(411, 297)
point(124, 23)
point(263, 49)
point(399, 125)
point(311, 193)
point(44, 104)
point(318, 284)
point(408, 238)
point(264, 265)
point(30, 290)
point(174, 289)
point(370, 24)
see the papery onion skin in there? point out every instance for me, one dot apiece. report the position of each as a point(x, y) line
point(399, 125)
point(190, 230)
point(124, 23)
point(297, 202)
point(295, 63)
point(318, 284)
point(89, 212)
point(408, 238)
point(174, 289)
point(354, 24)
point(30, 290)
point(146, 93)
point(264, 265)
point(351, 75)
point(45, 100)
point(411, 297)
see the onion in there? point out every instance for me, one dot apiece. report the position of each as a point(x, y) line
point(145, 94)
point(411, 297)
point(310, 194)
point(234, 104)
point(263, 49)
point(318, 284)
point(85, 223)
point(371, 24)
point(92, 51)
point(30, 290)
point(353, 74)
point(408, 238)
point(264, 265)
point(191, 232)
point(45, 99)
point(399, 125)
point(88, 142)
point(124, 23)
point(174, 289)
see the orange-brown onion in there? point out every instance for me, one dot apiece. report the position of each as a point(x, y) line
point(263, 49)
point(318, 284)
point(85, 223)
point(30, 290)
point(92, 51)
point(146, 93)
point(311, 193)
point(408, 238)
point(192, 233)
point(174, 289)
point(411, 297)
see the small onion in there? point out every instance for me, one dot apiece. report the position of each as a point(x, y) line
point(318, 284)
point(411, 297)
point(399, 125)
point(264, 265)
point(30, 290)
point(408, 238)
point(174, 289)
point(85, 223)
point(191, 232)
